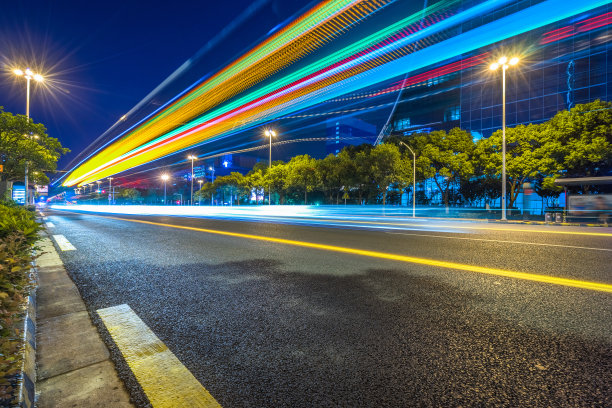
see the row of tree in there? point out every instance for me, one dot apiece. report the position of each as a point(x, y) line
point(572, 143)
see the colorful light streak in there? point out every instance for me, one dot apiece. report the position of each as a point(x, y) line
point(577, 28)
point(382, 55)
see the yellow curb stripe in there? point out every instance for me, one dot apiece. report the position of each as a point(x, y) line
point(166, 382)
point(601, 287)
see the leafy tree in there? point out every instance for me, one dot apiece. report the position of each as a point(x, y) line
point(302, 174)
point(21, 141)
point(130, 194)
point(388, 167)
point(256, 180)
point(276, 179)
point(329, 173)
point(581, 139)
point(206, 192)
point(444, 157)
point(528, 155)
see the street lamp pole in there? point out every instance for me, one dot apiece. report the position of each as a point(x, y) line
point(165, 178)
point(212, 195)
point(200, 195)
point(110, 191)
point(413, 180)
point(270, 134)
point(192, 158)
point(504, 63)
point(28, 75)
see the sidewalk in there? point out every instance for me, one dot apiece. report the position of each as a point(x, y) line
point(73, 364)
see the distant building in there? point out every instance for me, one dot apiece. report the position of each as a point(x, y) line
point(345, 131)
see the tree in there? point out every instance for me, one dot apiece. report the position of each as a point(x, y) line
point(23, 141)
point(276, 179)
point(388, 167)
point(580, 140)
point(302, 174)
point(444, 157)
point(206, 192)
point(232, 184)
point(329, 173)
point(528, 155)
point(255, 180)
point(130, 194)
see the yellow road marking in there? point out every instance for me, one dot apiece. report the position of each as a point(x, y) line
point(166, 382)
point(63, 243)
point(602, 287)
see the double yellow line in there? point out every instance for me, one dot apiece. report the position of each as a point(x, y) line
point(601, 287)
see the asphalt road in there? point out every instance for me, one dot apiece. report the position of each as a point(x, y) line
point(269, 324)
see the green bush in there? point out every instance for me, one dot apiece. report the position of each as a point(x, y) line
point(18, 232)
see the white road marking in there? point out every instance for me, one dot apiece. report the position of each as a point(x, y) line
point(50, 224)
point(63, 243)
point(44, 218)
point(505, 242)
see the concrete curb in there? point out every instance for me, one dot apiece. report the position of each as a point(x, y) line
point(73, 368)
point(27, 382)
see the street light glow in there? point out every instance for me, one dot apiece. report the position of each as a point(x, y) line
point(514, 61)
point(494, 66)
point(38, 78)
point(503, 60)
point(18, 72)
point(165, 177)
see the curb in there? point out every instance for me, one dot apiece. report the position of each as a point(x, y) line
point(27, 380)
point(562, 224)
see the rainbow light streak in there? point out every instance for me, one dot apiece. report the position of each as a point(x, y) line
point(578, 28)
point(352, 68)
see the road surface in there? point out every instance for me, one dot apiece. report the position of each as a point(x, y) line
point(309, 311)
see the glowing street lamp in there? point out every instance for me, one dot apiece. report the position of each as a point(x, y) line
point(504, 63)
point(212, 170)
point(270, 133)
point(165, 178)
point(192, 158)
point(110, 191)
point(28, 75)
point(200, 195)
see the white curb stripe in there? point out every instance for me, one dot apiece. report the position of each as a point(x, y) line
point(63, 243)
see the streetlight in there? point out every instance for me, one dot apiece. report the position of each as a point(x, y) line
point(28, 75)
point(270, 134)
point(413, 179)
point(110, 191)
point(504, 63)
point(200, 195)
point(165, 178)
point(192, 158)
point(212, 169)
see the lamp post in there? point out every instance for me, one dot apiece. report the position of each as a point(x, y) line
point(165, 178)
point(110, 191)
point(28, 75)
point(413, 179)
point(212, 195)
point(192, 158)
point(200, 195)
point(270, 134)
point(504, 63)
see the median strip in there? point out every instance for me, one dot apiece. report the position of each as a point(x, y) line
point(601, 287)
point(63, 243)
point(164, 379)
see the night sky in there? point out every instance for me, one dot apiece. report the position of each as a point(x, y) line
point(101, 58)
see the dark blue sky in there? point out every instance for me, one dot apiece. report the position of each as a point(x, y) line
point(103, 57)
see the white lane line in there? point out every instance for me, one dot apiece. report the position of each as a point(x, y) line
point(164, 379)
point(50, 224)
point(63, 243)
point(505, 242)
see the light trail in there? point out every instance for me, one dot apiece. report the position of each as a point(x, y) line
point(380, 56)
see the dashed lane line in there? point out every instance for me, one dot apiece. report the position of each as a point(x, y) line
point(596, 286)
point(63, 243)
point(163, 378)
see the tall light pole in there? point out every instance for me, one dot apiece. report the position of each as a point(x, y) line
point(200, 195)
point(504, 63)
point(192, 158)
point(270, 134)
point(165, 178)
point(413, 179)
point(28, 75)
point(110, 191)
point(212, 195)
